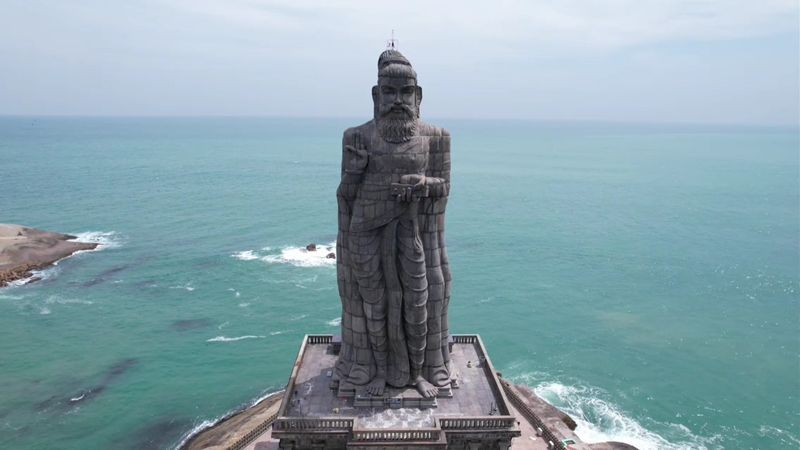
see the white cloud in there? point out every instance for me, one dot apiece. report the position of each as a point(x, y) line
point(515, 23)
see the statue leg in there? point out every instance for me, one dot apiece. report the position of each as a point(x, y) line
point(365, 251)
point(351, 304)
point(436, 355)
point(413, 277)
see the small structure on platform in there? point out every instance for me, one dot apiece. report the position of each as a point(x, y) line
point(321, 411)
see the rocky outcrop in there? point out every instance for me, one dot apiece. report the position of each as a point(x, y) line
point(24, 250)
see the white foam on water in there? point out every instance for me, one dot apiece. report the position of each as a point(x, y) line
point(104, 239)
point(233, 339)
point(197, 429)
point(786, 438)
point(210, 423)
point(600, 420)
point(41, 275)
point(55, 299)
point(245, 255)
point(275, 333)
point(335, 322)
point(300, 257)
point(188, 286)
point(44, 310)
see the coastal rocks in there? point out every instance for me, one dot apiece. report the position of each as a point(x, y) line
point(546, 411)
point(24, 250)
point(311, 247)
point(331, 255)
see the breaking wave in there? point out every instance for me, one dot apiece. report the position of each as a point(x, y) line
point(246, 255)
point(599, 420)
point(233, 339)
point(295, 256)
point(41, 275)
point(56, 299)
point(104, 239)
point(205, 424)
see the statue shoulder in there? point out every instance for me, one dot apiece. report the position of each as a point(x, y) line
point(426, 129)
point(364, 129)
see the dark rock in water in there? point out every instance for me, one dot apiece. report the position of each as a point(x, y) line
point(190, 324)
point(46, 403)
point(159, 435)
point(121, 367)
point(311, 247)
point(331, 255)
point(104, 276)
point(89, 393)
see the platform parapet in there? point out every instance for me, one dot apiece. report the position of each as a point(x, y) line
point(317, 413)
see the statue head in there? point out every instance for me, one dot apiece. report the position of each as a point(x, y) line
point(396, 97)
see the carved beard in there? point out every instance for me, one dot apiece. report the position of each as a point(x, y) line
point(397, 130)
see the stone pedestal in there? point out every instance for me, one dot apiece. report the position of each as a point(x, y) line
point(319, 411)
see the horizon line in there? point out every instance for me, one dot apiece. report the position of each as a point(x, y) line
point(794, 125)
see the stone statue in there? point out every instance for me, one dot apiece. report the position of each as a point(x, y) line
point(392, 267)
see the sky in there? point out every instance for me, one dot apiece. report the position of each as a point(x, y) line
point(674, 61)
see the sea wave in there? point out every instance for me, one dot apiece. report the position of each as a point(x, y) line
point(56, 299)
point(295, 256)
point(40, 275)
point(205, 424)
point(233, 339)
point(104, 239)
point(246, 255)
point(786, 439)
point(600, 420)
point(335, 322)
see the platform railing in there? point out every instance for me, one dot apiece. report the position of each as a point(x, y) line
point(390, 435)
point(477, 423)
point(332, 424)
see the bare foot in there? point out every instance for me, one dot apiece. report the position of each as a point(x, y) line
point(359, 374)
point(424, 388)
point(376, 386)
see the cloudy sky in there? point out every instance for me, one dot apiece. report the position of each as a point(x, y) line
point(697, 61)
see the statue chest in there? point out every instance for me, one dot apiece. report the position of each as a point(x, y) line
point(405, 158)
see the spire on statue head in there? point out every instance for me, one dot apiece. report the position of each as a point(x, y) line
point(391, 44)
point(393, 63)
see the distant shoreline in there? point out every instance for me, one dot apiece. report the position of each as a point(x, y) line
point(24, 250)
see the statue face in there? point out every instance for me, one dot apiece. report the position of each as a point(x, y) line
point(397, 98)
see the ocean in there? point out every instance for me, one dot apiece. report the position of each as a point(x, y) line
point(644, 278)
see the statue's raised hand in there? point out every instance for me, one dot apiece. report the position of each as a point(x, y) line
point(357, 158)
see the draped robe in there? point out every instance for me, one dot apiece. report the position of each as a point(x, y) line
point(392, 268)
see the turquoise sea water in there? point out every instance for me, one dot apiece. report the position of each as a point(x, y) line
point(643, 278)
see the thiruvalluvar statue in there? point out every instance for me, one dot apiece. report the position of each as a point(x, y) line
point(392, 268)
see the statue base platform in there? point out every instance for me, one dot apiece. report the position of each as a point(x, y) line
point(319, 411)
point(392, 397)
